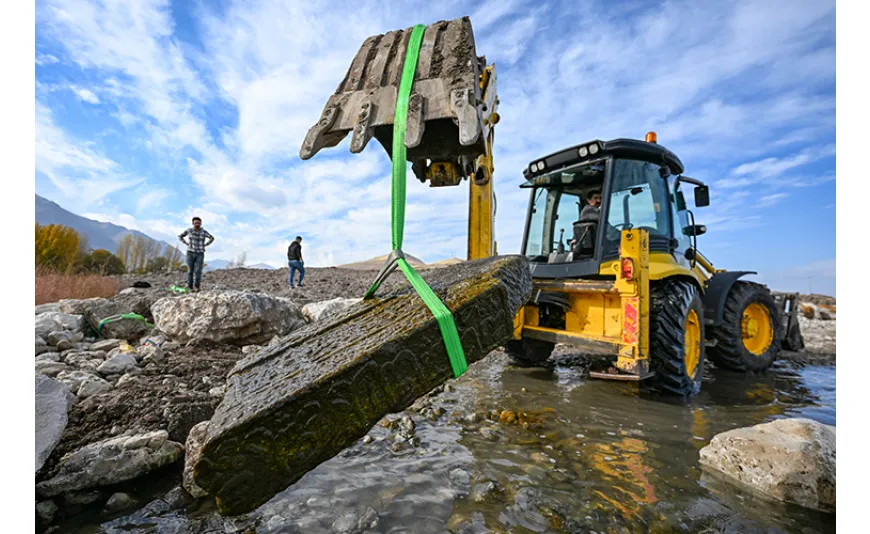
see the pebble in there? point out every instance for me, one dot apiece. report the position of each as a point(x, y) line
point(120, 501)
point(368, 439)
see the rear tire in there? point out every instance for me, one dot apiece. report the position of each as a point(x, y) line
point(741, 345)
point(529, 352)
point(677, 324)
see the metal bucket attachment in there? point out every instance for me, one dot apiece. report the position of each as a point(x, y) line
point(445, 111)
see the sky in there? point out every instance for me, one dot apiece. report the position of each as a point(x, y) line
point(149, 112)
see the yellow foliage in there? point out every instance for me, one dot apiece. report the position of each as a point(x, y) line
point(57, 246)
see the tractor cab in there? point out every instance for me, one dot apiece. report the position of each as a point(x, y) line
point(569, 232)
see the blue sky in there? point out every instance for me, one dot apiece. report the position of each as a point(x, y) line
point(150, 112)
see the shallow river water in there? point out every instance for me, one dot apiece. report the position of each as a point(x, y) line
point(598, 456)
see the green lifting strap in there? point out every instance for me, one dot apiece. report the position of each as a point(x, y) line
point(438, 309)
point(120, 317)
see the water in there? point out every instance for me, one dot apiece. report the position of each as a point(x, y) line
point(607, 457)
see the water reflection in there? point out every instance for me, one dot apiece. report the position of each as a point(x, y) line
point(548, 451)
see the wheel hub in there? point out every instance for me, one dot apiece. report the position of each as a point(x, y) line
point(757, 328)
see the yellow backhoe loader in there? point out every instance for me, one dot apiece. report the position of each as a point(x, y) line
point(622, 278)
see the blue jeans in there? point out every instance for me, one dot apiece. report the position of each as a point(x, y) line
point(194, 267)
point(294, 266)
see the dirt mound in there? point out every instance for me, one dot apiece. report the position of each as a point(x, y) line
point(375, 264)
point(819, 300)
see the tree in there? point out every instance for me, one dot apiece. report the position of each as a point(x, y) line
point(173, 257)
point(124, 252)
point(158, 264)
point(103, 262)
point(239, 261)
point(57, 246)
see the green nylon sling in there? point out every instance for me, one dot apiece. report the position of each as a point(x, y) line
point(438, 309)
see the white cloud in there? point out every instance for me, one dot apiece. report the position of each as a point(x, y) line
point(769, 200)
point(85, 95)
point(595, 71)
point(46, 59)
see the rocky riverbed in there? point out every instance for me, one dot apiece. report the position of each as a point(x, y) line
point(135, 400)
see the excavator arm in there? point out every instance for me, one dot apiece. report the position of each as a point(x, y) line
point(450, 122)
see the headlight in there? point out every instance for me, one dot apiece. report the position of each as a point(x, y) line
point(540, 165)
point(583, 152)
point(593, 149)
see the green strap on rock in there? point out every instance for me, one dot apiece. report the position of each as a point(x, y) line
point(121, 317)
point(442, 315)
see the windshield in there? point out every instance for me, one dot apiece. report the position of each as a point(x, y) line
point(638, 199)
point(557, 206)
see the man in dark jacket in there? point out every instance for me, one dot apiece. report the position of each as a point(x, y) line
point(294, 261)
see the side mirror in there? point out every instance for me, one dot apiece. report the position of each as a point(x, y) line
point(695, 230)
point(702, 196)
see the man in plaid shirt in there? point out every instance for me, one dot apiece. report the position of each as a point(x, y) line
point(199, 239)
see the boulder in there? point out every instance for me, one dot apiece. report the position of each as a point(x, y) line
point(118, 364)
point(791, 460)
point(92, 385)
point(95, 310)
point(229, 317)
point(192, 450)
point(299, 402)
point(70, 322)
point(79, 306)
point(45, 325)
point(316, 311)
point(50, 368)
point(53, 401)
point(47, 308)
point(111, 461)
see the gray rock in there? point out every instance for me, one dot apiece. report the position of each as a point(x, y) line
point(118, 364)
point(127, 378)
point(45, 511)
point(119, 502)
point(79, 498)
point(110, 462)
point(53, 401)
point(346, 523)
point(230, 317)
point(77, 358)
point(150, 354)
point(192, 450)
point(91, 386)
point(48, 357)
point(45, 325)
point(50, 368)
point(41, 349)
point(126, 329)
point(368, 520)
point(106, 344)
point(70, 322)
point(50, 307)
point(459, 477)
point(792, 460)
point(74, 379)
point(485, 491)
point(316, 311)
point(79, 306)
point(57, 337)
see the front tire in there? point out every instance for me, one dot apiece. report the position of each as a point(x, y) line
point(529, 352)
point(677, 352)
point(749, 338)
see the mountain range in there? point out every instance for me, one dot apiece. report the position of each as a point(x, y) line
point(101, 235)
